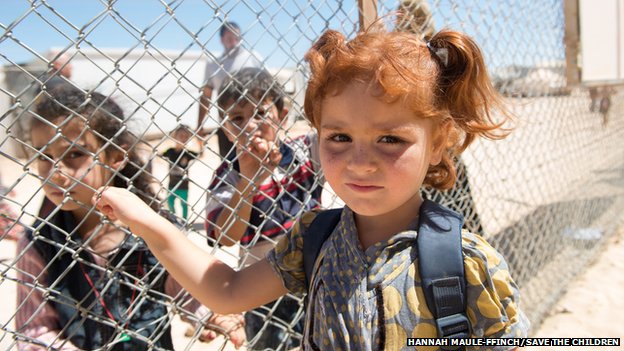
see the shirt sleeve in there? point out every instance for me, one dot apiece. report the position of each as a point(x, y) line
point(220, 192)
point(286, 258)
point(492, 296)
point(35, 318)
point(256, 59)
point(209, 74)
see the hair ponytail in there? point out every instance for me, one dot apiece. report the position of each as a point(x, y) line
point(466, 91)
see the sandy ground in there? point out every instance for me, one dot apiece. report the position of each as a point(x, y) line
point(593, 305)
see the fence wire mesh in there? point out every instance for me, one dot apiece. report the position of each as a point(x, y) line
point(112, 78)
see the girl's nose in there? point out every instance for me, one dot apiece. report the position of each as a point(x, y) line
point(58, 175)
point(361, 160)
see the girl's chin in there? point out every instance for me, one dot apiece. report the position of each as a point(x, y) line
point(67, 205)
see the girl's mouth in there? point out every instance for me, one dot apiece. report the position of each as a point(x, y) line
point(363, 188)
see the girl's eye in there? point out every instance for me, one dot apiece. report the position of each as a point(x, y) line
point(43, 158)
point(389, 139)
point(237, 120)
point(339, 138)
point(74, 154)
point(261, 115)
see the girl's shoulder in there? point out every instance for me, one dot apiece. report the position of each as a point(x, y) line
point(308, 217)
point(492, 295)
point(476, 248)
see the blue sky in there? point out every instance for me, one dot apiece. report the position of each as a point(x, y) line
point(273, 30)
point(510, 32)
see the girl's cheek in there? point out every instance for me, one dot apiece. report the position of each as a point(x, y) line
point(44, 168)
point(105, 175)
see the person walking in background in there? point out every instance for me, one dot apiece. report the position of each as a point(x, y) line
point(259, 191)
point(392, 111)
point(87, 282)
point(180, 159)
point(234, 57)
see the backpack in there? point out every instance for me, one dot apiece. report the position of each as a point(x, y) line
point(443, 281)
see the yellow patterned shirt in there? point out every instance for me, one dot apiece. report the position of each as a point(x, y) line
point(372, 299)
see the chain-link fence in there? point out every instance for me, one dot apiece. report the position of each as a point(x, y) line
point(141, 79)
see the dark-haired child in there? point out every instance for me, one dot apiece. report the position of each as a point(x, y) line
point(87, 283)
point(260, 190)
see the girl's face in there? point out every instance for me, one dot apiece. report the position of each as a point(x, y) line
point(375, 155)
point(70, 165)
point(245, 122)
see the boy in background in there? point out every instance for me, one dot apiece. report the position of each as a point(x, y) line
point(260, 189)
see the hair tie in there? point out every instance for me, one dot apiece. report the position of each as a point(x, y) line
point(441, 54)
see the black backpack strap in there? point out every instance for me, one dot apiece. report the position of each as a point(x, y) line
point(441, 265)
point(314, 237)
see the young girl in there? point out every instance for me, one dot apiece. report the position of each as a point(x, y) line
point(87, 284)
point(391, 111)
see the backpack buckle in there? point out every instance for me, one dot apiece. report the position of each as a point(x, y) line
point(454, 326)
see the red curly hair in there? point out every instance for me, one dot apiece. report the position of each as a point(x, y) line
point(402, 67)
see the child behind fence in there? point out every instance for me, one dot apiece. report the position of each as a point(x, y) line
point(260, 189)
point(180, 159)
point(391, 111)
point(85, 282)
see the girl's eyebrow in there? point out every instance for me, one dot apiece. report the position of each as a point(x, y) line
point(394, 129)
point(79, 145)
point(383, 128)
point(331, 126)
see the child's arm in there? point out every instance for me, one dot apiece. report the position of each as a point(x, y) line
point(211, 281)
point(255, 165)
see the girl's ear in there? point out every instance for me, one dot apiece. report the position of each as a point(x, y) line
point(117, 160)
point(439, 143)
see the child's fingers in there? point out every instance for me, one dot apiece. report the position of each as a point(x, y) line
point(275, 156)
point(96, 199)
point(101, 201)
point(207, 335)
point(259, 146)
point(232, 325)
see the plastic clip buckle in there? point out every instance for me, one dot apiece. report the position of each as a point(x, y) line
point(455, 326)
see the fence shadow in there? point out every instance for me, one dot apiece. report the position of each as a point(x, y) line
point(533, 241)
